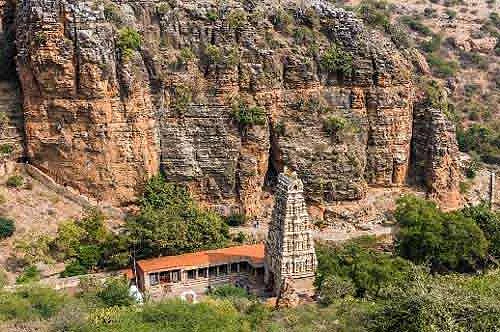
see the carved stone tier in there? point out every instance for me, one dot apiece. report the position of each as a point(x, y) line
point(289, 250)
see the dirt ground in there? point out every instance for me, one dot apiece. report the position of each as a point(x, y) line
point(35, 210)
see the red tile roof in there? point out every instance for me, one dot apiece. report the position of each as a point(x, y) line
point(254, 254)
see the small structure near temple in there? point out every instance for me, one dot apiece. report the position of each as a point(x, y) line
point(201, 271)
point(289, 252)
point(284, 266)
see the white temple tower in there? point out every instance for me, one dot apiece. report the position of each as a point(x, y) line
point(289, 250)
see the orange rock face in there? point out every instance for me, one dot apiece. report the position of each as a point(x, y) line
point(103, 119)
point(81, 127)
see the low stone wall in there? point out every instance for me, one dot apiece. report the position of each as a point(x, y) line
point(70, 283)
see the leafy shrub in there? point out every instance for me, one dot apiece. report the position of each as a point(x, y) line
point(445, 304)
point(3, 278)
point(163, 8)
point(451, 14)
point(240, 237)
point(303, 35)
point(186, 55)
point(113, 13)
point(30, 274)
point(482, 140)
point(89, 255)
point(443, 240)
point(236, 219)
point(213, 54)
point(334, 125)
point(7, 227)
point(435, 95)
point(414, 24)
point(337, 60)
point(74, 268)
point(229, 291)
point(43, 302)
point(182, 96)
point(282, 20)
point(212, 15)
point(237, 19)
point(171, 223)
point(129, 41)
point(471, 170)
point(375, 13)
point(15, 181)
point(441, 67)
point(116, 293)
point(433, 45)
point(248, 115)
point(334, 288)
point(6, 149)
point(489, 222)
point(339, 128)
point(372, 273)
point(30, 304)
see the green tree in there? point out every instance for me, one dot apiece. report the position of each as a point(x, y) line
point(74, 268)
point(444, 240)
point(371, 272)
point(68, 239)
point(334, 288)
point(489, 222)
point(170, 222)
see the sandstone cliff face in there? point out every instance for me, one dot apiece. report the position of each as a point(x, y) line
point(11, 114)
point(81, 127)
point(102, 122)
point(436, 155)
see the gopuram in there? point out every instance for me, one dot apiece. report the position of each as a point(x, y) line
point(286, 263)
point(289, 250)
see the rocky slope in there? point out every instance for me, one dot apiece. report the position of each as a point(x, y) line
point(220, 97)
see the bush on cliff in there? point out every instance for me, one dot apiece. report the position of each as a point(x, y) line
point(247, 115)
point(7, 228)
point(337, 60)
point(129, 41)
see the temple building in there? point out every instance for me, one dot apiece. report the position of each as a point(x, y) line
point(261, 268)
point(200, 271)
point(289, 251)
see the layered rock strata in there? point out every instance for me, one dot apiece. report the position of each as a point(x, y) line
point(102, 117)
point(11, 112)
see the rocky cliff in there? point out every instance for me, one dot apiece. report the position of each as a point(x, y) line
point(219, 95)
point(11, 112)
